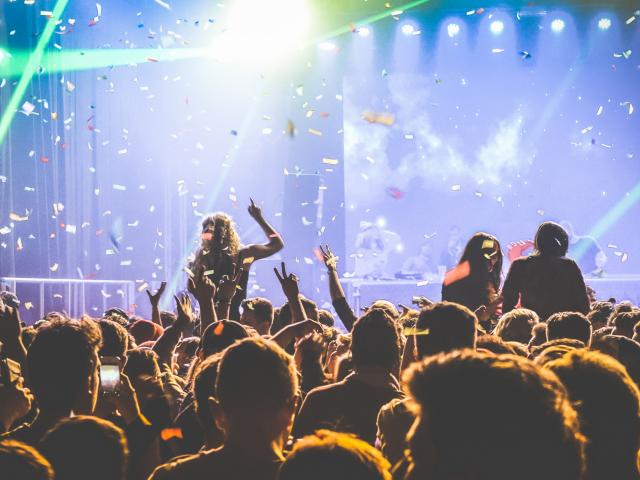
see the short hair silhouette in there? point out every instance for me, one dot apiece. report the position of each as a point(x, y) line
point(445, 326)
point(526, 416)
point(551, 240)
point(569, 325)
point(516, 325)
point(608, 403)
point(86, 447)
point(115, 339)
point(219, 335)
point(338, 456)
point(62, 356)
point(375, 341)
point(23, 462)
point(624, 322)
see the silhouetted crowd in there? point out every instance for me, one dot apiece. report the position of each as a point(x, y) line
point(527, 378)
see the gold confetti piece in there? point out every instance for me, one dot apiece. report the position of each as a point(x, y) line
point(414, 331)
point(143, 287)
point(330, 161)
point(315, 132)
point(14, 217)
point(383, 118)
point(54, 267)
point(208, 272)
point(488, 243)
point(28, 305)
point(248, 260)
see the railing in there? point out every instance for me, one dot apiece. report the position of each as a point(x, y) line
point(71, 295)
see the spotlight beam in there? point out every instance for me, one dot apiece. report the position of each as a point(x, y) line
point(612, 216)
point(30, 69)
point(368, 20)
point(76, 60)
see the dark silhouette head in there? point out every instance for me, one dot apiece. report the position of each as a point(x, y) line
point(338, 456)
point(445, 326)
point(21, 461)
point(375, 342)
point(551, 240)
point(569, 325)
point(526, 417)
point(484, 255)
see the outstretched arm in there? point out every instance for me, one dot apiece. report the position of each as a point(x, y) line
point(167, 342)
point(204, 290)
point(275, 243)
point(338, 297)
point(289, 284)
point(154, 299)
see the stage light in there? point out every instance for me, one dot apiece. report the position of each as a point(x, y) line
point(260, 32)
point(604, 23)
point(408, 29)
point(381, 222)
point(364, 31)
point(557, 25)
point(453, 29)
point(496, 27)
point(327, 46)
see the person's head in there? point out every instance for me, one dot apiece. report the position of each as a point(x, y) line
point(142, 363)
point(623, 349)
point(494, 344)
point(516, 325)
point(85, 447)
point(145, 331)
point(338, 456)
point(284, 314)
point(625, 306)
point(569, 325)
point(608, 404)
point(375, 342)
point(564, 344)
point(62, 366)
point(167, 318)
point(115, 339)
point(386, 306)
point(445, 326)
point(538, 335)
point(527, 429)
point(256, 391)
point(219, 335)
point(257, 313)
point(219, 234)
point(599, 314)
point(484, 255)
point(551, 240)
point(624, 322)
point(21, 461)
point(325, 317)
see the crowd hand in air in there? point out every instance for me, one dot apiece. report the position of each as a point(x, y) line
point(310, 347)
point(517, 249)
point(289, 283)
point(202, 288)
point(330, 260)
point(154, 298)
point(421, 301)
point(228, 285)
point(184, 311)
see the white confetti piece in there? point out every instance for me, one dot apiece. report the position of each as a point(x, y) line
point(116, 186)
point(4, 230)
point(422, 283)
point(125, 263)
point(143, 287)
point(70, 229)
point(54, 267)
point(624, 258)
point(455, 188)
point(163, 4)
point(600, 109)
point(28, 108)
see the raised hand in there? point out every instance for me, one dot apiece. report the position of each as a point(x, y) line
point(184, 311)
point(9, 324)
point(202, 288)
point(330, 260)
point(289, 283)
point(154, 298)
point(228, 285)
point(254, 210)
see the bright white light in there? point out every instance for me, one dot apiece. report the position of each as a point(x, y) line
point(408, 29)
point(604, 23)
point(557, 25)
point(381, 222)
point(327, 46)
point(261, 32)
point(453, 29)
point(364, 31)
point(496, 27)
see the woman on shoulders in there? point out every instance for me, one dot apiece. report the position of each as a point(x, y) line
point(221, 252)
point(546, 282)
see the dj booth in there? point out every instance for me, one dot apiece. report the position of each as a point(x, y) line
point(361, 292)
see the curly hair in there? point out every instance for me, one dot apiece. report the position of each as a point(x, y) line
point(219, 240)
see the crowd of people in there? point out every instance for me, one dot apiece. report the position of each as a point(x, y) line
point(526, 378)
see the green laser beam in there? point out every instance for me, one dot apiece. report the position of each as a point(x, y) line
point(368, 20)
point(76, 60)
point(611, 218)
point(30, 68)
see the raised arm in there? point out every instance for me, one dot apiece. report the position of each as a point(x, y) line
point(336, 291)
point(204, 290)
point(167, 342)
point(154, 299)
point(289, 284)
point(275, 243)
point(227, 289)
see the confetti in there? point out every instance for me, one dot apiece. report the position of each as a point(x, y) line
point(524, 55)
point(143, 287)
point(28, 305)
point(330, 161)
point(384, 118)
point(315, 132)
point(624, 258)
point(28, 108)
point(14, 217)
point(600, 109)
point(54, 267)
point(422, 283)
point(394, 192)
point(163, 4)
point(455, 188)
